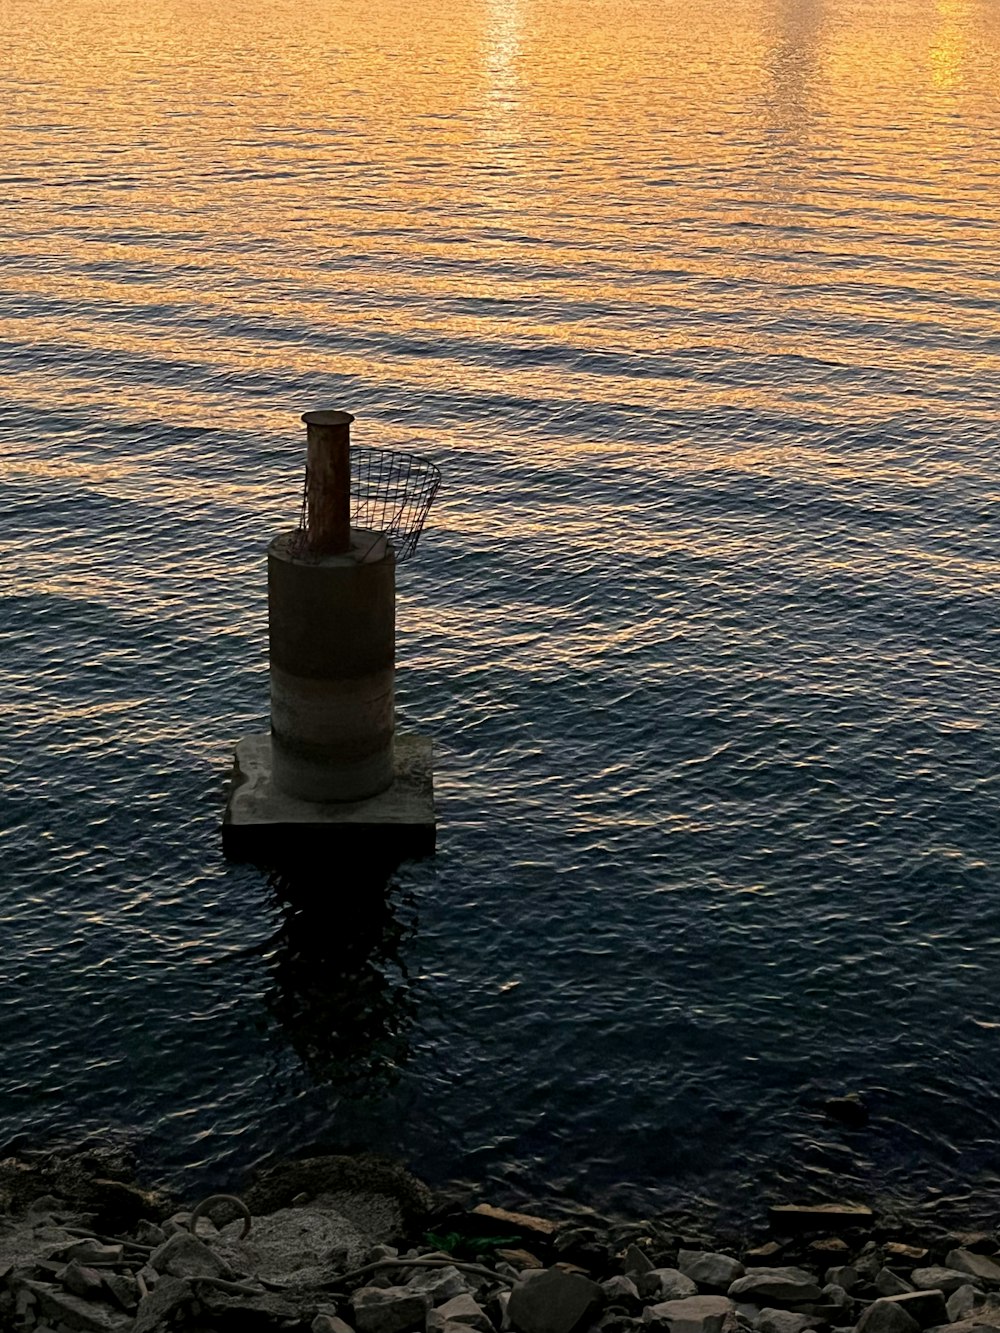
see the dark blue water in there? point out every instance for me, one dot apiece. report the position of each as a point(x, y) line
point(697, 311)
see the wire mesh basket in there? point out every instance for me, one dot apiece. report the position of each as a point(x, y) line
point(391, 493)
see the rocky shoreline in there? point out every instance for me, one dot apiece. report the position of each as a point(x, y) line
point(358, 1245)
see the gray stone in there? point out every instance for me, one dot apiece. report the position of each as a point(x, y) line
point(868, 1262)
point(329, 1323)
point(962, 1302)
point(782, 1286)
point(389, 1309)
point(93, 1251)
point(887, 1283)
point(438, 1284)
point(781, 1321)
point(148, 1233)
point(80, 1280)
point(80, 1316)
point(636, 1262)
point(835, 1295)
point(666, 1284)
point(124, 1289)
point(553, 1301)
point(296, 1245)
point(979, 1266)
point(846, 1276)
point(715, 1271)
point(463, 1309)
point(926, 1307)
point(886, 1316)
point(621, 1290)
point(183, 1255)
point(984, 1319)
point(940, 1279)
point(696, 1314)
point(170, 1296)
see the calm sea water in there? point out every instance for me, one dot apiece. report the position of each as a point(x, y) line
point(696, 305)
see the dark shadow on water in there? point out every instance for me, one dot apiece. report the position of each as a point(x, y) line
point(341, 993)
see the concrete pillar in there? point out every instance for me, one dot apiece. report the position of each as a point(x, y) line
point(332, 648)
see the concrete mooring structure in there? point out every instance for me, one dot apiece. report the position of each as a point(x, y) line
point(333, 773)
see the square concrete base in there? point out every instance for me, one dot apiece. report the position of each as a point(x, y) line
point(263, 823)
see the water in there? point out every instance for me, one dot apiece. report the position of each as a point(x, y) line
point(695, 305)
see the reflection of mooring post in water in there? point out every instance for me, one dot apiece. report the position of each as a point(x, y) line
point(333, 771)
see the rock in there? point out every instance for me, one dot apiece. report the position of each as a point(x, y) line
point(329, 1323)
point(464, 1310)
point(849, 1110)
point(718, 1272)
point(93, 1252)
point(980, 1266)
point(926, 1307)
point(696, 1314)
point(761, 1254)
point(379, 1197)
point(635, 1262)
point(80, 1280)
point(835, 1295)
point(888, 1284)
point(183, 1255)
point(621, 1290)
point(781, 1321)
point(981, 1322)
point(793, 1217)
point(74, 1313)
point(389, 1309)
point(980, 1242)
point(553, 1302)
point(785, 1286)
point(300, 1245)
point(243, 1311)
point(520, 1259)
point(171, 1296)
point(148, 1233)
point(666, 1284)
point(525, 1224)
point(845, 1276)
point(904, 1255)
point(868, 1262)
point(827, 1248)
point(961, 1303)
point(124, 1289)
point(939, 1279)
point(438, 1284)
point(886, 1316)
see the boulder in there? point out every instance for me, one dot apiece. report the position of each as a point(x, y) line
point(93, 1251)
point(124, 1289)
point(438, 1284)
point(761, 1255)
point(73, 1312)
point(926, 1307)
point(553, 1302)
point(464, 1310)
point(696, 1314)
point(80, 1280)
point(781, 1286)
point(904, 1256)
point(329, 1323)
point(389, 1309)
point(961, 1303)
point(886, 1316)
point(835, 1295)
point(718, 1272)
point(979, 1266)
point(183, 1255)
point(936, 1278)
point(666, 1284)
point(621, 1290)
point(636, 1262)
point(846, 1276)
point(171, 1296)
point(781, 1321)
point(887, 1283)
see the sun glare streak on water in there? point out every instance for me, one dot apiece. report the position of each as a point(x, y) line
point(696, 307)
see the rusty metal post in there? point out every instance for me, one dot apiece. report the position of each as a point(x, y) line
point(328, 484)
